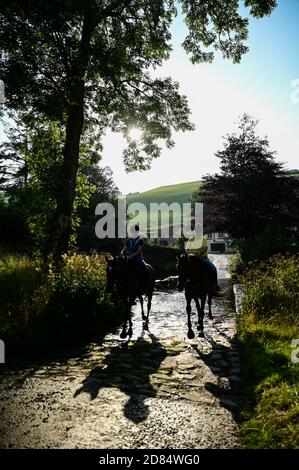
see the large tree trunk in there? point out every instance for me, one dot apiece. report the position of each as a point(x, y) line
point(62, 227)
point(63, 216)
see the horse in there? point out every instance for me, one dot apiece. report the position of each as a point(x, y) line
point(130, 286)
point(195, 277)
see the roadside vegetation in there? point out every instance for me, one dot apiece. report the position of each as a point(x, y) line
point(43, 308)
point(269, 378)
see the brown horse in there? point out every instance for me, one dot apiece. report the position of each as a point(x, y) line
point(195, 278)
point(130, 285)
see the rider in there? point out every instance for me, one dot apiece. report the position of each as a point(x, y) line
point(197, 245)
point(133, 249)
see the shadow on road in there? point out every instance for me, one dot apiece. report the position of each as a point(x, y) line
point(128, 367)
point(227, 390)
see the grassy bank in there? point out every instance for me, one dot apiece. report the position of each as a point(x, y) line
point(269, 378)
point(42, 309)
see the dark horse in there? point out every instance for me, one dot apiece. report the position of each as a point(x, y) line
point(130, 285)
point(195, 278)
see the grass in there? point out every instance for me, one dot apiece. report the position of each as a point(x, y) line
point(180, 193)
point(43, 309)
point(171, 193)
point(266, 327)
point(270, 380)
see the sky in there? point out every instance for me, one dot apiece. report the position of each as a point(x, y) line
point(218, 94)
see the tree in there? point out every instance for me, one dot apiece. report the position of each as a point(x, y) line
point(86, 64)
point(30, 164)
point(102, 189)
point(252, 199)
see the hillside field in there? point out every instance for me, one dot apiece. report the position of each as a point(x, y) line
point(171, 193)
point(180, 193)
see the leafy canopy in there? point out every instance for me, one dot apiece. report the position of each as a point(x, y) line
point(51, 50)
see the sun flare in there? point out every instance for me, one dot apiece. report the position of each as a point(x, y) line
point(135, 134)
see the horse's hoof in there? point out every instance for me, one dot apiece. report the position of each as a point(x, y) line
point(191, 334)
point(123, 334)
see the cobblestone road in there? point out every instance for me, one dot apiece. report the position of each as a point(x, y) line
point(159, 390)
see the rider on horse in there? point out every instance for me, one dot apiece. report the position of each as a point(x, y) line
point(197, 246)
point(133, 249)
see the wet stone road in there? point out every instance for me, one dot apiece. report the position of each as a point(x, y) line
point(158, 390)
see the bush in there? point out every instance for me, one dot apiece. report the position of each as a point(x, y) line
point(269, 243)
point(45, 309)
point(237, 266)
point(272, 289)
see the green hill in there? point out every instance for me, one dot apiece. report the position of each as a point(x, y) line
point(180, 193)
point(171, 193)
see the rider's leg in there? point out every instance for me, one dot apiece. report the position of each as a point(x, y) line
point(144, 273)
point(214, 276)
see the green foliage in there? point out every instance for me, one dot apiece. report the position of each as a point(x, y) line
point(267, 244)
point(101, 188)
point(14, 214)
point(271, 289)
point(219, 26)
point(268, 323)
point(252, 199)
point(269, 380)
point(237, 266)
point(28, 209)
point(43, 309)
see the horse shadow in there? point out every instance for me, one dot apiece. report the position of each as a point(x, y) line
point(240, 387)
point(227, 389)
point(128, 367)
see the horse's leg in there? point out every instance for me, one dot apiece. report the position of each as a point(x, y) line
point(123, 333)
point(202, 304)
point(210, 306)
point(149, 305)
point(130, 330)
point(188, 310)
point(142, 309)
point(201, 312)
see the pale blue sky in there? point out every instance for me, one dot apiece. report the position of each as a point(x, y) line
point(218, 93)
